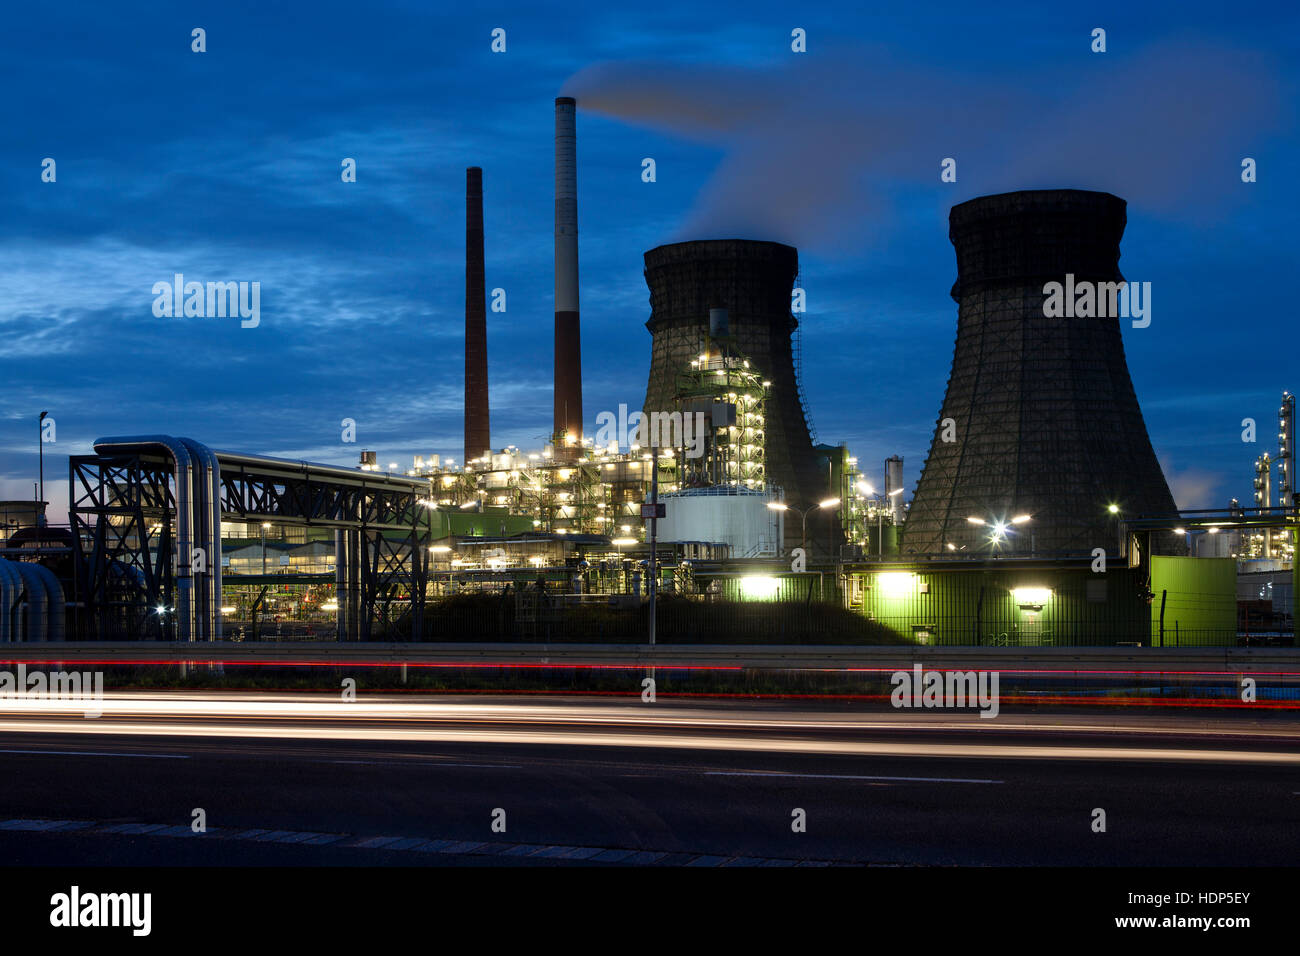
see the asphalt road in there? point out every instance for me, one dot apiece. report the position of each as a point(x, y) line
point(407, 780)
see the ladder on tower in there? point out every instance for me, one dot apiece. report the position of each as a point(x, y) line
point(797, 349)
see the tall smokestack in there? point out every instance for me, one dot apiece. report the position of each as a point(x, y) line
point(568, 345)
point(478, 440)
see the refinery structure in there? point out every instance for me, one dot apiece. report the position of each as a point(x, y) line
point(1041, 515)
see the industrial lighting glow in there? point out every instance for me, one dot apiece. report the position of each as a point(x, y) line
point(1021, 519)
point(778, 506)
point(1180, 531)
point(1113, 509)
point(896, 491)
point(895, 584)
point(227, 609)
point(1032, 596)
point(439, 548)
point(758, 586)
point(331, 606)
point(624, 541)
point(828, 503)
point(973, 520)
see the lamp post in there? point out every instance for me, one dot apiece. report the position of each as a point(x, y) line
point(40, 453)
point(880, 513)
point(265, 526)
point(803, 515)
point(1001, 527)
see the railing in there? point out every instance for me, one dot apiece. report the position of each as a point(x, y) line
point(1281, 663)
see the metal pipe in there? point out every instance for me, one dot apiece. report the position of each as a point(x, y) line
point(38, 602)
point(206, 496)
point(55, 604)
point(9, 588)
point(340, 585)
point(184, 474)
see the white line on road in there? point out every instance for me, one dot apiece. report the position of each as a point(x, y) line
point(97, 753)
point(426, 763)
point(839, 776)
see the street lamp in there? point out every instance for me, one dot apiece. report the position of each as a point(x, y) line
point(881, 500)
point(40, 452)
point(803, 515)
point(1000, 528)
point(265, 526)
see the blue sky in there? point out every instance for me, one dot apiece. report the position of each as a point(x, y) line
point(225, 166)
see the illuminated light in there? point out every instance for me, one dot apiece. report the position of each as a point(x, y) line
point(161, 609)
point(895, 584)
point(896, 491)
point(439, 548)
point(1213, 530)
point(829, 503)
point(625, 528)
point(974, 520)
point(767, 384)
point(778, 506)
point(227, 609)
point(865, 488)
point(951, 546)
point(623, 541)
point(332, 606)
point(1180, 531)
point(1034, 596)
point(759, 586)
point(1021, 519)
point(536, 561)
point(1113, 509)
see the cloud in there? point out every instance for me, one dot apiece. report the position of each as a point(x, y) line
point(812, 150)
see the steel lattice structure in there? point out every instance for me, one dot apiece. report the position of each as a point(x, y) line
point(123, 515)
point(1040, 417)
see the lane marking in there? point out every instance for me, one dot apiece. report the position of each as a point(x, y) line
point(429, 763)
point(98, 753)
point(839, 776)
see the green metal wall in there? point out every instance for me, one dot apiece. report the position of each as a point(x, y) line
point(979, 606)
point(1200, 599)
point(771, 585)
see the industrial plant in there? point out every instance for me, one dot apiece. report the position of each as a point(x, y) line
point(1041, 516)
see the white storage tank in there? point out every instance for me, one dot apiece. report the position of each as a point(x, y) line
point(737, 517)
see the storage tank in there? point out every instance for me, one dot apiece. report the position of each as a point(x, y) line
point(737, 517)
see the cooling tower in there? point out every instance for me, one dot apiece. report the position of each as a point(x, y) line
point(568, 344)
point(752, 281)
point(478, 440)
point(1040, 417)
